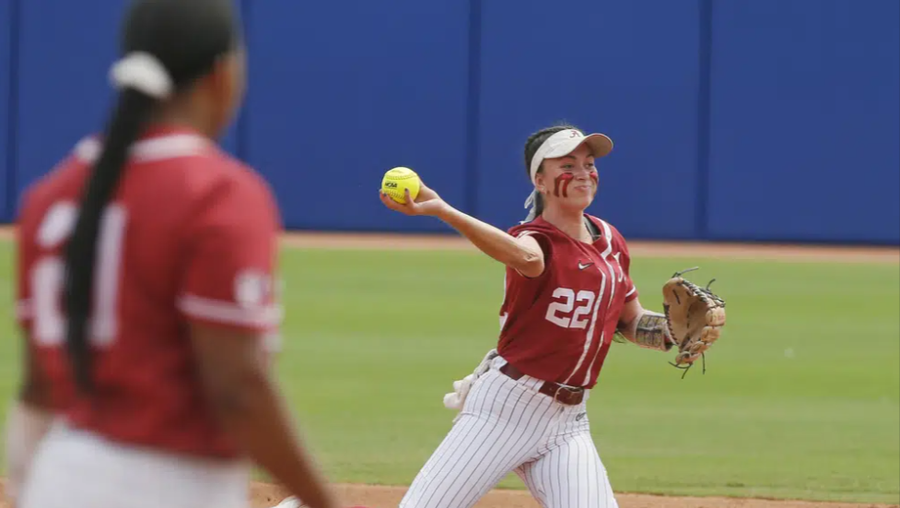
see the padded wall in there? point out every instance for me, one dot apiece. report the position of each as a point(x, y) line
point(769, 120)
point(65, 51)
point(6, 100)
point(343, 91)
point(805, 120)
point(608, 67)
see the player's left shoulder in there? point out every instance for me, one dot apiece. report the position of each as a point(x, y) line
point(610, 232)
point(605, 228)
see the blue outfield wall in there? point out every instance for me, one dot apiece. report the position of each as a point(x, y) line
point(615, 70)
point(65, 50)
point(770, 120)
point(343, 91)
point(805, 120)
point(6, 99)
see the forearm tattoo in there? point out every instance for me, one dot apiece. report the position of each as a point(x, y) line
point(652, 332)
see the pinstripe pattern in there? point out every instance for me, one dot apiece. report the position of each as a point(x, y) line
point(508, 426)
point(569, 475)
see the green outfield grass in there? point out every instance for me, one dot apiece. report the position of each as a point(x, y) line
point(801, 398)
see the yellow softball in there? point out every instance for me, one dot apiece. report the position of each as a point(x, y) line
point(397, 180)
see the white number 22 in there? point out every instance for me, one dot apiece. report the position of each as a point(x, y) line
point(558, 311)
point(47, 276)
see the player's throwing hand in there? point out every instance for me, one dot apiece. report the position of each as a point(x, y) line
point(428, 202)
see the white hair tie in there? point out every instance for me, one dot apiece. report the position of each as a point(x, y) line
point(143, 72)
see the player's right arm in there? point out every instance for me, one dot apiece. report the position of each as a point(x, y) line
point(228, 298)
point(522, 254)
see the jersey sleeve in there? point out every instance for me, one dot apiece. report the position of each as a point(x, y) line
point(631, 291)
point(230, 278)
point(543, 241)
point(25, 254)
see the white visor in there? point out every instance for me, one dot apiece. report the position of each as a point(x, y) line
point(565, 142)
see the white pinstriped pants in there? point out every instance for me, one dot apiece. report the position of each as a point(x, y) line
point(76, 469)
point(506, 426)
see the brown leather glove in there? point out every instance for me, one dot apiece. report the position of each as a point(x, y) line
point(695, 317)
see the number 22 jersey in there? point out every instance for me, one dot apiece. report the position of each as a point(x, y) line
point(559, 325)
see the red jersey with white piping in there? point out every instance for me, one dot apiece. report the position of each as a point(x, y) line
point(191, 234)
point(559, 326)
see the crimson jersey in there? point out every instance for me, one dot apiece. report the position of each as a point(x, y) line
point(559, 326)
point(191, 234)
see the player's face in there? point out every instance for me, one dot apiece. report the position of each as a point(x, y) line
point(571, 180)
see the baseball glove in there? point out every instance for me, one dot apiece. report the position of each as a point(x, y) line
point(695, 317)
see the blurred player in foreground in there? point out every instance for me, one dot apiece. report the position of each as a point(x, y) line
point(146, 270)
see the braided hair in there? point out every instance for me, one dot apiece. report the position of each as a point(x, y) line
point(166, 46)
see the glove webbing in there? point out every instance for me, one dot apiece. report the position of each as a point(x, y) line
point(706, 294)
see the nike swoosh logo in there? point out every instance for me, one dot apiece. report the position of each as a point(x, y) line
point(583, 266)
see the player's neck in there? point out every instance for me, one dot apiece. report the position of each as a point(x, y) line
point(569, 222)
point(185, 117)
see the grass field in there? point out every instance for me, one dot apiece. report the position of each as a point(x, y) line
point(801, 398)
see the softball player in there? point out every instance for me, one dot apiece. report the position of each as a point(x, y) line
point(568, 291)
point(146, 265)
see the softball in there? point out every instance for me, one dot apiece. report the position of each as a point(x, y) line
point(397, 180)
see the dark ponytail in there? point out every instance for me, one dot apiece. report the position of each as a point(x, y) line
point(532, 145)
point(128, 120)
point(537, 207)
point(166, 46)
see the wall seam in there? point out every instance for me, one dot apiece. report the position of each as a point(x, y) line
point(12, 138)
point(704, 119)
point(473, 109)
